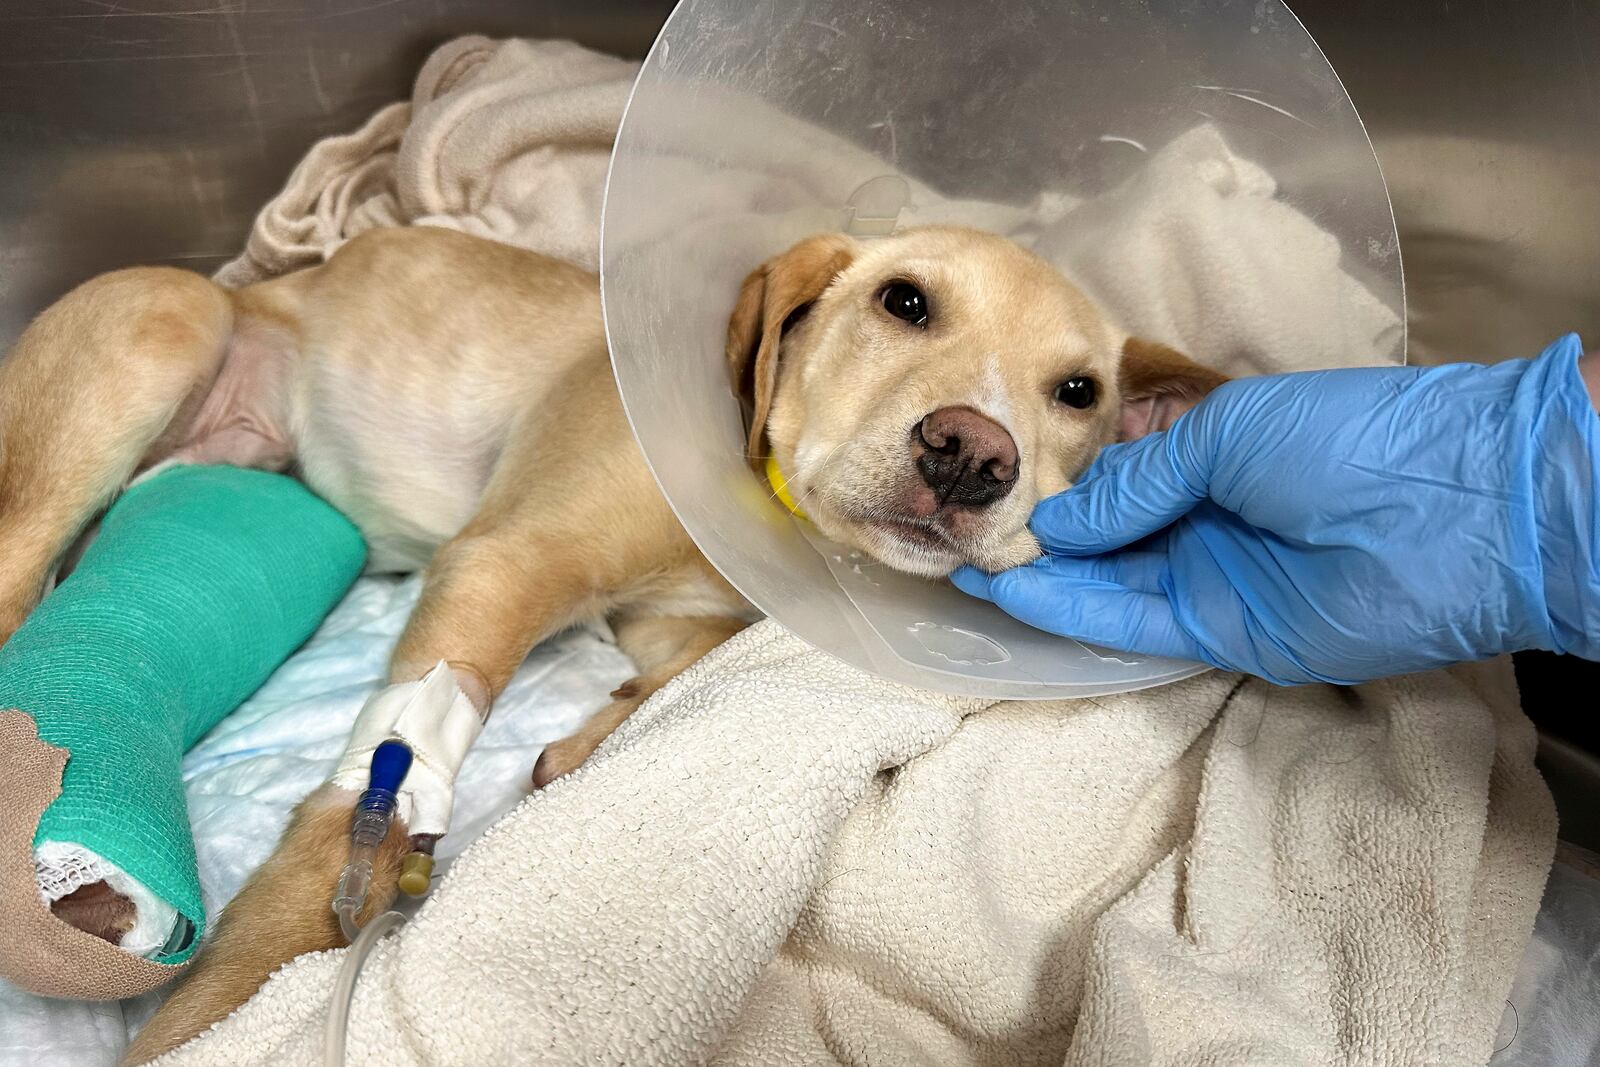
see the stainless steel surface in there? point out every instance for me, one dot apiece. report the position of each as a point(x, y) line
point(1573, 776)
point(1486, 117)
point(150, 131)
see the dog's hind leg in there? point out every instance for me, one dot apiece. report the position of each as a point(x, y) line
point(101, 380)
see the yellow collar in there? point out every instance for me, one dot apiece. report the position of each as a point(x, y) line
point(780, 488)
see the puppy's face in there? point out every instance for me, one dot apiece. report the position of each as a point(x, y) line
point(921, 393)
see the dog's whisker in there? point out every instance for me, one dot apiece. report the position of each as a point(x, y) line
point(812, 490)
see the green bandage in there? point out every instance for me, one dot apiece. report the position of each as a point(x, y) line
point(201, 582)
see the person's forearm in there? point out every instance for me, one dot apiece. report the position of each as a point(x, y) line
point(1589, 367)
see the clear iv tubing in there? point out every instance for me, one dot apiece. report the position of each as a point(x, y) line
point(374, 814)
point(344, 986)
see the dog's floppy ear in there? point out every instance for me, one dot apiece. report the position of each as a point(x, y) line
point(768, 302)
point(1158, 385)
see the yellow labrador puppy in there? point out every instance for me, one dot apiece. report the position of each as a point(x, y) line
point(454, 398)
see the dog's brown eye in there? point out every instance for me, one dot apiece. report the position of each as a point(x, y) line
point(1077, 392)
point(905, 301)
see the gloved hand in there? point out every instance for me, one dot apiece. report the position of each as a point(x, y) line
point(1336, 526)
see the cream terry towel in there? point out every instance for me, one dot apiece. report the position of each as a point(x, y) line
point(782, 860)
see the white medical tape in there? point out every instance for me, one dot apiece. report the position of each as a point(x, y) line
point(439, 722)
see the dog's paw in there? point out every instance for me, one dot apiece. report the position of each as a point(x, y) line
point(97, 909)
point(566, 755)
point(559, 758)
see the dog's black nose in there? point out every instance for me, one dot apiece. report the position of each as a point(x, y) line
point(966, 458)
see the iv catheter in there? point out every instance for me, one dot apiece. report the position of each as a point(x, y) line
point(423, 730)
point(374, 814)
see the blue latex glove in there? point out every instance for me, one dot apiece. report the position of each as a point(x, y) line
point(1336, 526)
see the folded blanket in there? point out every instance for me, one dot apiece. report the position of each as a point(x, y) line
point(467, 152)
point(782, 860)
point(511, 140)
